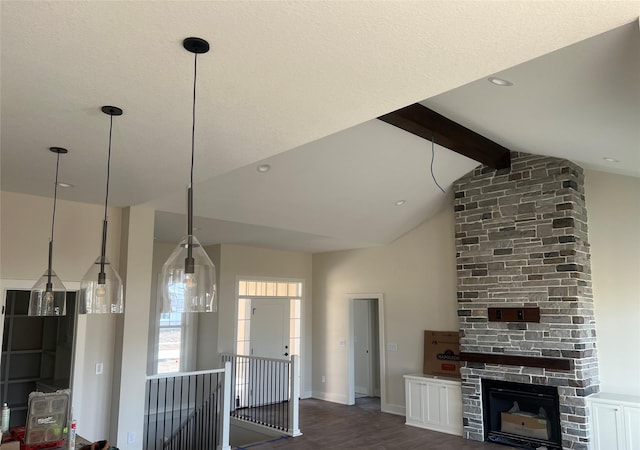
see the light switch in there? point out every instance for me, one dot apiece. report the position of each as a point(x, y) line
point(99, 368)
point(392, 347)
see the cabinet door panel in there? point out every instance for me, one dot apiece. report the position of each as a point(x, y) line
point(432, 403)
point(607, 426)
point(632, 427)
point(415, 410)
point(453, 395)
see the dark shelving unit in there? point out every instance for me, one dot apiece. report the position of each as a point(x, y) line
point(36, 352)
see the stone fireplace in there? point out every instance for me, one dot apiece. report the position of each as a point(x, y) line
point(525, 303)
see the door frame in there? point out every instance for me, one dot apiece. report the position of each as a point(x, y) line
point(351, 370)
point(305, 322)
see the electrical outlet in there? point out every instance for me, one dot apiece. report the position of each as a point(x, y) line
point(324, 379)
point(99, 368)
point(131, 437)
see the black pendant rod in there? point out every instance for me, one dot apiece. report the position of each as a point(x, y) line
point(57, 151)
point(53, 221)
point(193, 134)
point(110, 111)
point(101, 275)
point(189, 263)
point(194, 45)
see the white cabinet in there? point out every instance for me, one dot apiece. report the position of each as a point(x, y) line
point(615, 421)
point(434, 403)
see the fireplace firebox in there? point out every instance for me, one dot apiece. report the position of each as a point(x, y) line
point(521, 415)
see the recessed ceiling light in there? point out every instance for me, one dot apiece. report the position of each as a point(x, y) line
point(400, 202)
point(263, 168)
point(65, 185)
point(608, 159)
point(500, 81)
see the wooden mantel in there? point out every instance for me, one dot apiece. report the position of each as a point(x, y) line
point(515, 360)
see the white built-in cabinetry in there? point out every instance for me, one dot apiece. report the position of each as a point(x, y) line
point(434, 403)
point(615, 420)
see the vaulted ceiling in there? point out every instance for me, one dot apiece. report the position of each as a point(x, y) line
point(299, 85)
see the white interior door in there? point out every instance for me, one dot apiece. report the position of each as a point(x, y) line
point(269, 339)
point(362, 347)
point(376, 345)
point(270, 328)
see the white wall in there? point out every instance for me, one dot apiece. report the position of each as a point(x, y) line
point(241, 261)
point(207, 338)
point(417, 276)
point(613, 209)
point(131, 345)
point(25, 228)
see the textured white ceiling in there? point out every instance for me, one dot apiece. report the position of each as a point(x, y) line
point(581, 102)
point(280, 75)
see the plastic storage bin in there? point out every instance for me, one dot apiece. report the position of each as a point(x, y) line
point(47, 419)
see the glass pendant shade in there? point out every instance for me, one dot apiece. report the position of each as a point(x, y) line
point(101, 294)
point(48, 296)
point(101, 290)
point(189, 287)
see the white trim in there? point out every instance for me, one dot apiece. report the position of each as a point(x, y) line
point(183, 374)
point(331, 397)
point(261, 358)
point(351, 391)
point(256, 428)
point(306, 394)
point(226, 408)
point(275, 279)
point(303, 307)
point(393, 409)
point(294, 398)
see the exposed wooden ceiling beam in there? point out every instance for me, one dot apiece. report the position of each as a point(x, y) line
point(428, 124)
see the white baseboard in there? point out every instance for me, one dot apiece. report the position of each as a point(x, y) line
point(342, 399)
point(331, 397)
point(306, 394)
point(393, 409)
point(267, 431)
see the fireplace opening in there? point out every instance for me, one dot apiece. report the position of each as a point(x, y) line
point(521, 415)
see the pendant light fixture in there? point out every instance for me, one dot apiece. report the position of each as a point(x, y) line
point(101, 287)
point(49, 296)
point(189, 276)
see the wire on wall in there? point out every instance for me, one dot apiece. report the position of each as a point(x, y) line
point(433, 156)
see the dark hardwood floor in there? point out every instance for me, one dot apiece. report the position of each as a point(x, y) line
point(328, 425)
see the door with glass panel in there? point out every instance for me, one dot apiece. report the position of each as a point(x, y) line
point(268, 327)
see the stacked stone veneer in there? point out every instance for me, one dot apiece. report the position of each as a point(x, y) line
point(521, 240)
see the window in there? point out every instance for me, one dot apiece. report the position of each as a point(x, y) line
point(174, 339)
point(170, 337)
point(253, 290)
